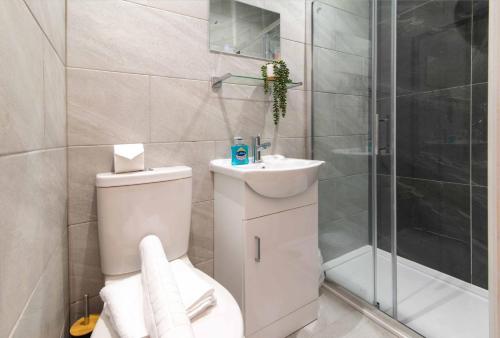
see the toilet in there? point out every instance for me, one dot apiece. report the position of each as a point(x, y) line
point(156, 201)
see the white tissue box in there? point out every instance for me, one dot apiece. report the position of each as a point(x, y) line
point(129, 157)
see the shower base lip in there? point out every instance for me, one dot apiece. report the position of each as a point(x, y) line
point(371, 312)
point(429, 301)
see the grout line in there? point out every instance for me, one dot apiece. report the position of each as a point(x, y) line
point(164, 10)
point(425, 179)
point(43, 31)
point(33, 151)
point(37, 284)
point(74, 146)
point(344, 10)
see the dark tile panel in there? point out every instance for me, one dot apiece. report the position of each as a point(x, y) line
point(434, 225)
point(384, 212)
point(479, 142)
point(480, 41)
point(433, 135)
point(408, 5)
point(384, 50)
point(480, 236)
point(433, 46)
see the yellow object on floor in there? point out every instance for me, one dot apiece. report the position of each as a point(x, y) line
point(83, 326)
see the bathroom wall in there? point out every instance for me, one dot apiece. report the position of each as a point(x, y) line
point(341, 78)
point(139, 71)
point(442, 50)
point(33, 176)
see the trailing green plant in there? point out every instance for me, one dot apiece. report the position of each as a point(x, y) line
point(279, 89)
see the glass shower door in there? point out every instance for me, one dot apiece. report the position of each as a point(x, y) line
point(399, 117)
point(342, 137)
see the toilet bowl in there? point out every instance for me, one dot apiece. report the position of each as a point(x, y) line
point(157, 201)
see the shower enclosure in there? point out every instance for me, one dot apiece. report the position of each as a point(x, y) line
point(400, 119)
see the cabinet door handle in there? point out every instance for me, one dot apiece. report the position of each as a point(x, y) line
point(257, 248)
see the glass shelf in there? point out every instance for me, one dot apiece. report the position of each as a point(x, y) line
point(217, 81)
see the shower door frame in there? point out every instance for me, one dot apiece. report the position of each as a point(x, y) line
point(374, 128)
point(494, 167)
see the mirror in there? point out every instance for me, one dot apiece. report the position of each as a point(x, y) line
point(241, 29)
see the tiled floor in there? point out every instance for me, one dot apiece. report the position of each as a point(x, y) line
point(338, 319)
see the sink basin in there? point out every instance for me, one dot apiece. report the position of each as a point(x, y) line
point(275, 177)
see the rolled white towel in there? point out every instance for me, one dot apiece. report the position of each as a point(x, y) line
point(164, 312)
point(123, 307)
point(197, 295)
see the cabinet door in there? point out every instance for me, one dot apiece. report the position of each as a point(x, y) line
point(285, 277)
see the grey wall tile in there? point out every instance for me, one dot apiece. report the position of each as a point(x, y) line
point(107, 108)
point(21, 119)
point(54, 91)
point(45, 313)
point(201, 239)
point(294, 124)
point(339, 73)
point(479, 134)
point(194, 154)
point(207, 267)
point(338, 114)
point(434, 225)
point(85, 276)
point(343, 155)
point(342, 31)
point(123, 36)
point(292, 20)
point(479, 225)
point(184, 110)
point(194, 8)
point(51, 15)
point(358, 7)
point(83, 165)
point(33, 205)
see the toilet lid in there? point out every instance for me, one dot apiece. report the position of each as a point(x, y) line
point(223, 320)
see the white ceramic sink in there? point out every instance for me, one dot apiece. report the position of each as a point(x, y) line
point(276, 176)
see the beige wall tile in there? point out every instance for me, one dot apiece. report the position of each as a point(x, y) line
point(107, 108)
point(33, 209)
point(289, 147)
point(83, 165)
point(45, 314)
point(51, 15)
point(182, 110)
point(207, 267)
point(194, 8)
point(85, 275)
point(123, 36)
point(21, 73)
point(295, 120)
point(201, 239)
point(294, 55)
point(194, 154)
point(54, 98)
point(185, 110)
point(292, 19)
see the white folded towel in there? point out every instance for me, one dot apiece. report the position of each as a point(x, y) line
point(123, 299)
point(164, 312)
point(123, 306)
point(197, 295)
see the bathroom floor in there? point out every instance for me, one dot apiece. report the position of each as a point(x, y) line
point(338, 319)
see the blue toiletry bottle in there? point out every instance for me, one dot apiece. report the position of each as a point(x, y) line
point(239, 152)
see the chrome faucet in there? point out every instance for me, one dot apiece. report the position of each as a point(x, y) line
point(257, 147)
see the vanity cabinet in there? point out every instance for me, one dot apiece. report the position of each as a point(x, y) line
point(266, 255)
